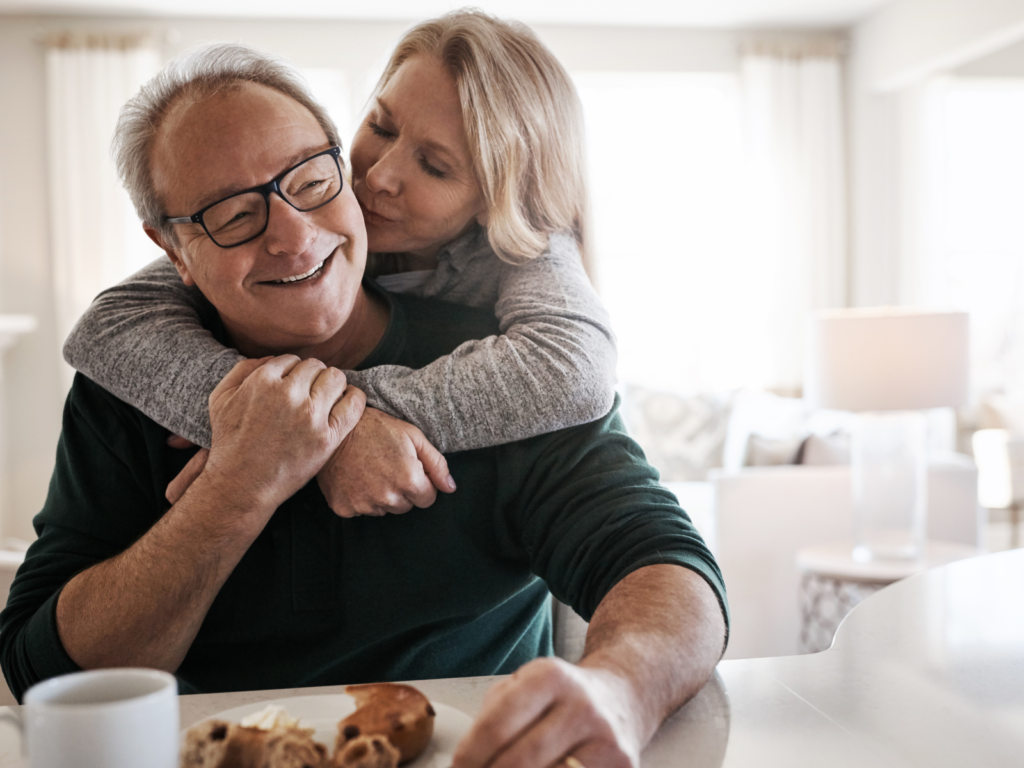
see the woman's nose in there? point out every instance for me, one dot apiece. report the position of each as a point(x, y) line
point(384, 176)
point(289, 231)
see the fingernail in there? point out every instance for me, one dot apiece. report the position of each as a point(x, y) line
point(451, 483)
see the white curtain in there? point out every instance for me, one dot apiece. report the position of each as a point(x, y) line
point(792, 108)
point(96, 239)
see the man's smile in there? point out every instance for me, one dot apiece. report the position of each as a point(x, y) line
point(302, 277)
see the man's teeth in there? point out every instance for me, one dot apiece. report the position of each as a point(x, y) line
point(303, 276)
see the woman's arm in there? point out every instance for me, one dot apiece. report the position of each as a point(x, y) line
point(143, 340)
point(552, 367)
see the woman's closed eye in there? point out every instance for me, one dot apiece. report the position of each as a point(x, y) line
point(379, 131)
point(430, 170)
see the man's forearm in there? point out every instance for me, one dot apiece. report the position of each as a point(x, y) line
point(145, 606)
point(659, 632)
point(276, 423)
point(652, 644)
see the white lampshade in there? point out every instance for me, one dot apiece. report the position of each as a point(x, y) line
point(885, 359)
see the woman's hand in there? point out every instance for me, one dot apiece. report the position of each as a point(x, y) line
point(177, 487)
point(550, 710)
point(383, 466)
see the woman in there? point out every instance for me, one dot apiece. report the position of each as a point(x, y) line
point(469, 171)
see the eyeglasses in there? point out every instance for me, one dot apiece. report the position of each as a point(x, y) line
point(243, 216)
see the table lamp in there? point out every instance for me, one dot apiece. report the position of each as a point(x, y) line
point(887, 365)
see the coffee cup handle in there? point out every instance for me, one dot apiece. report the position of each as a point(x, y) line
point(12, 717)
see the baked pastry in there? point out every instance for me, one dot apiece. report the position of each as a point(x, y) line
point(366, 752)
point(219, 744)
point(399, 712)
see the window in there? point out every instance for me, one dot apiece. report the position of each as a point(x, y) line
point(331, 88)
point(668, 209)
point(969, 227)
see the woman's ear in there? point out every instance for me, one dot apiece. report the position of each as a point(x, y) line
point(172, 253)
point(483, 219)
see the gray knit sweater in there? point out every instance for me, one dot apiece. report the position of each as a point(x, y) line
point(552, 367)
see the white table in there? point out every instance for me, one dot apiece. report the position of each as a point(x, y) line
point(832, 583)
point(928, 672)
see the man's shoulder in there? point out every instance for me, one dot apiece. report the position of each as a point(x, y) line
point(434, 328)
point(603, 441)
point(88, 396)
point(104, 414)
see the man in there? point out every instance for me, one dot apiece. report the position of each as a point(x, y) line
point(249, 581)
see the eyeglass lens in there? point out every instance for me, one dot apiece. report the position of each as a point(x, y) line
point(310, 185)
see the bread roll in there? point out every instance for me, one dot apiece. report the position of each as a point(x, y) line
point(219, 744)
point(399, 712)
point(367, 752)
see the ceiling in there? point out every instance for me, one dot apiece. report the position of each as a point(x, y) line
point(679, 13)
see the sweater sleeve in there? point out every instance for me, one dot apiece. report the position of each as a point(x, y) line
point(144, 341)
point(553, 366)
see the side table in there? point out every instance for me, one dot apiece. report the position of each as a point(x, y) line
point(832, 583)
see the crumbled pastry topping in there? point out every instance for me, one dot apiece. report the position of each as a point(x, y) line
point(270, 717)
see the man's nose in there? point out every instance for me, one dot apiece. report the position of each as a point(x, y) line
point(289, 231)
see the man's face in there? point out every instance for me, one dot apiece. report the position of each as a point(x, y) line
point(239, 139)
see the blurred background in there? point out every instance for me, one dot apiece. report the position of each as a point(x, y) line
point(750, 161)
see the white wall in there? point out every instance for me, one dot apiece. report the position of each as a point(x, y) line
point(1008, 62)
point(33, 402)
point(34, 398)
point(891, 52)
point(911, 39)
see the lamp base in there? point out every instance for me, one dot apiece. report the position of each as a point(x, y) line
point(888, 467)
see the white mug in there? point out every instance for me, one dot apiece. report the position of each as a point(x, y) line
point(105, 718)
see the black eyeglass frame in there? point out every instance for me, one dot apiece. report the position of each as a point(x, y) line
point(274, 185)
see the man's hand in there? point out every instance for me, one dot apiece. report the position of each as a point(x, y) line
point(652, 644)
point(548, 710)
point(383, 466)
point(276, 422)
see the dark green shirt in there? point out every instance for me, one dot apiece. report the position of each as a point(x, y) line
point(458, 589)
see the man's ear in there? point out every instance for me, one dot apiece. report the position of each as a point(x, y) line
point(172, 253)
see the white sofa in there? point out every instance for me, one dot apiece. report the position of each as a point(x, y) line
point(763, 515)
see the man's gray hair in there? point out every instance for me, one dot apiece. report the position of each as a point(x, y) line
point(195, 75)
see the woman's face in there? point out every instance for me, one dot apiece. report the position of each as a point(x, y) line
point(411, 167)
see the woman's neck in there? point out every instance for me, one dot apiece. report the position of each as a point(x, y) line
point(412, 261)
point(394, 263)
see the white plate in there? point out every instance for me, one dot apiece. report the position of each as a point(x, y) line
point(322, 713)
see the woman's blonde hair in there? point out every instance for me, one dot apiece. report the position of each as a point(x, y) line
point(523, 121)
